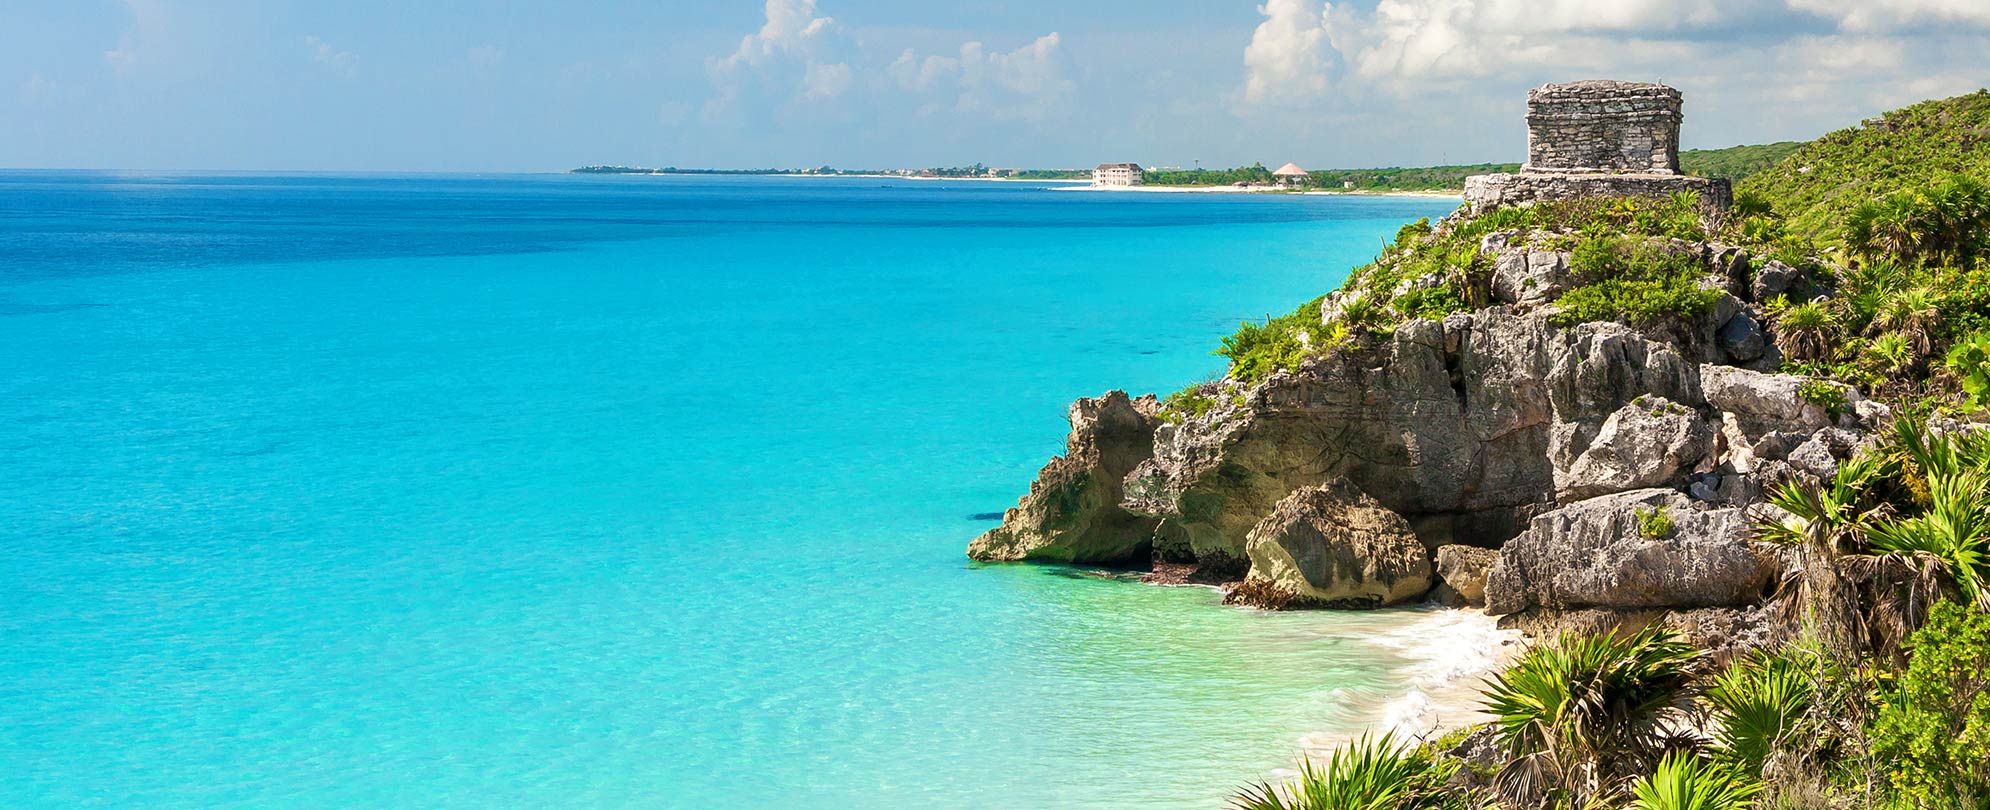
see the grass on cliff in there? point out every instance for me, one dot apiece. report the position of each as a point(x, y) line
point(1819, 184)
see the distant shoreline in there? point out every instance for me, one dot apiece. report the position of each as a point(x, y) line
point(1352, 192)
point(1068, 184)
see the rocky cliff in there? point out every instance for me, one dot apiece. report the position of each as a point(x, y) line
point(1555, 444)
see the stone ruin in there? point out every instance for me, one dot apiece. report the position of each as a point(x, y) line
point(1598, 138)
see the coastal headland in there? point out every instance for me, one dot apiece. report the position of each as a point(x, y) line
point(1598, 403)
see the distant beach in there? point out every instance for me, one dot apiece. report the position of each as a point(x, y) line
point(1258, 190)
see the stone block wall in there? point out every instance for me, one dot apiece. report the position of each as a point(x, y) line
point(1603, 126)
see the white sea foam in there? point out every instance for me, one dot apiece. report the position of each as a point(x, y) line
point(1447, 655)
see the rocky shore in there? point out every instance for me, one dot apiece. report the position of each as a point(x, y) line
point(1490, 458)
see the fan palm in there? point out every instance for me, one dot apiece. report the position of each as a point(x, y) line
point(1372, 773)
point(1685, 781)
point(1914, 313)
point(1583, 715)
point(1759, 703)
point(1805, 331)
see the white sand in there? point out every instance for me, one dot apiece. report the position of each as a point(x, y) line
point(1450, 654)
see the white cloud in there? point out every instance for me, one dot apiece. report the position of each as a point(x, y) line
point(1027, 82)
point(1882, 15)
point(322, 53)
point(822, 81)
point(791, 54)
point(1286, 59)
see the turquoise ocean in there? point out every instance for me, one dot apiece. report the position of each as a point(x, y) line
point(562, 491)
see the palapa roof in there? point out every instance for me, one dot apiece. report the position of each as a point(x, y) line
point(1289, 170)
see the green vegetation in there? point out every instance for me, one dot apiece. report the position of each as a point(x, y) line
point(1933, 729)
point(1428, 178)
point(1634, 281)
point(1969, 361)
point(1684, 780)
point(1581, 718)
point(1825, 394)
point(1373, 773)
point(1654, 523)
point(1255, 174)
point(1820, 184)
point(1735, 162)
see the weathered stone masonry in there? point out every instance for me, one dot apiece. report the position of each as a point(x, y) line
point(1603, 126)
point(1598, 138)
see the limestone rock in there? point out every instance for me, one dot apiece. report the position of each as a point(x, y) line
point(1459, 426)
point(1773, 278)
point(1591, 554)
point(1073, 512)
point(1530, 277)
point(1649, 442)
point(1331, 545)
point(1463, 570)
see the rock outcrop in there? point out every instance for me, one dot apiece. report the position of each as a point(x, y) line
point(1588, 475)
point(1604, 553)
point(1461, 571)
point(1072, 513)
point(1333, 546)
point(1467, 428)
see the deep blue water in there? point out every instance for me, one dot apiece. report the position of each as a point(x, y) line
point(551, 491)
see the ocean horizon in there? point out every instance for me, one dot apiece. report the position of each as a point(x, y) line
point(594, 491)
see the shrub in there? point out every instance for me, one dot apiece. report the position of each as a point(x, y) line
point(1582, 716)
point(1685, 781)
point(1654, 523)
point(1954, 529)
point(1372, 773)
point(1824, 394)
point(1933, 729)
point(1413, 232)
point(1969, 360)
point(1632, 281)
point(1187, 403)
point(1257, 350)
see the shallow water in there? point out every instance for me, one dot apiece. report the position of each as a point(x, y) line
point(551, 491)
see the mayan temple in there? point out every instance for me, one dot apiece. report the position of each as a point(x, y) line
point(1598, 138)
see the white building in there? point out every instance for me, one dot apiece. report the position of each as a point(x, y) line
point(1116, 174)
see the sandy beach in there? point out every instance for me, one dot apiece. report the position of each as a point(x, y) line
point(1450, 653)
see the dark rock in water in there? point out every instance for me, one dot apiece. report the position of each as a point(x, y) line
point(985, 516)
point(1072, 513)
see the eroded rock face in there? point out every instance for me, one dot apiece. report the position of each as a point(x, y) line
point(1333, 546)
point(1592, 554)
point(1073, 512)
point(1463, 427)
point(1649, 442)
point(1462, 572)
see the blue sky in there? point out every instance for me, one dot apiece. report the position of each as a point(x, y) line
point(535, 86)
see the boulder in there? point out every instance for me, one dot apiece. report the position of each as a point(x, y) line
point(1331, 545)
point(1742, 338)
point(1530, 277)
point(1594, 553)
point(1773, 278)
point(1649, 442)
point(1072, 513)
point(1462, 570)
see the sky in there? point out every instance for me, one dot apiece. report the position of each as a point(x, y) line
point(521, 85)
